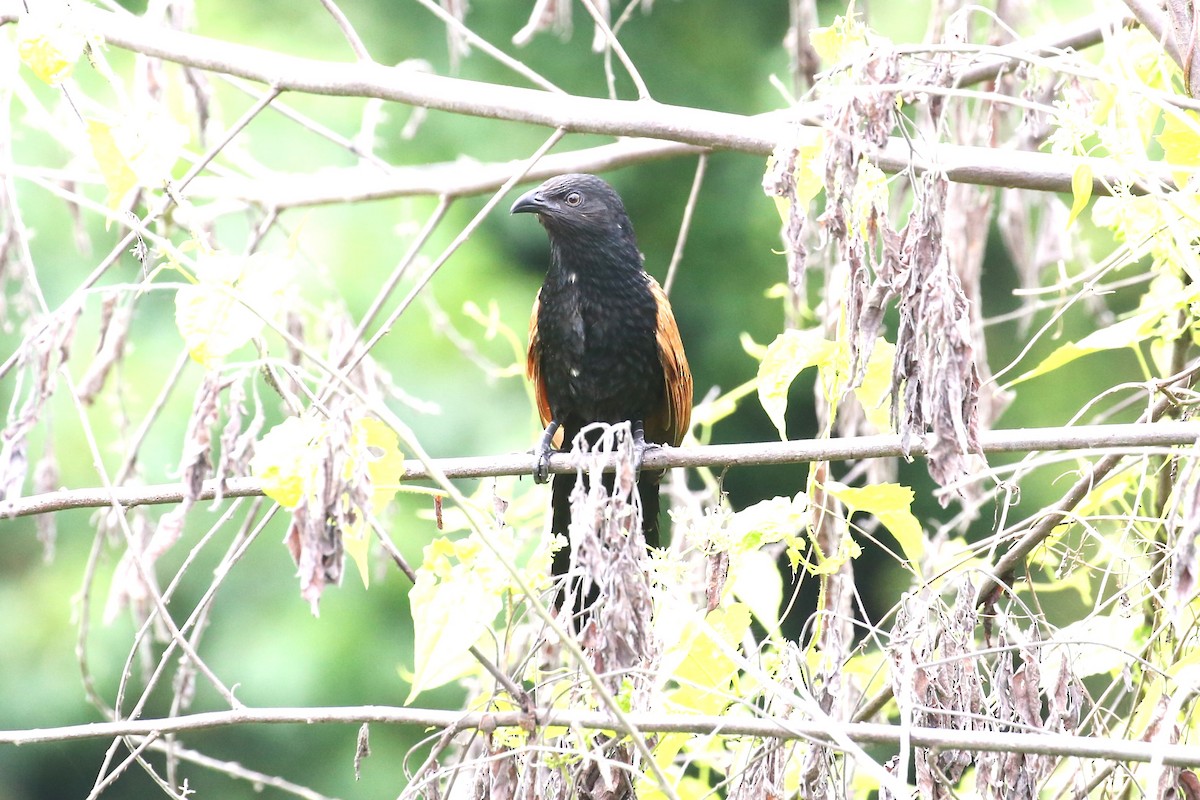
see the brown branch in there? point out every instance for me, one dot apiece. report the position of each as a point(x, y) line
point(680, 124)
point(1019, 440)
point(1175, 27)
point(823, 731)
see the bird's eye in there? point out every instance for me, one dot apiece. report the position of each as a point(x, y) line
point(574, 199)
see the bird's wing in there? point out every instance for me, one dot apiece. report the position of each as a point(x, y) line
point(533, 369)
point(677, 376)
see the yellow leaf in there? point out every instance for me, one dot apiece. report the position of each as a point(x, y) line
point(758, 583)
point(1081, 189)
point(285, 460)
point(119, 177)
point(1180, 141)
point(140, 150)
point(48, 48)
point(454, 600)
point(845, 39)
point(226, 308)
point(891, 504)
point(705, 672)
point(809, 171)
point(870, 197)
point(786, 357)
point(765, 522)
point(378, 445)
point(876, 386)
point(1126, 333)
point(1097, 645)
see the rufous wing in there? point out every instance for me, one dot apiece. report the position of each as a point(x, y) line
point(671, 423)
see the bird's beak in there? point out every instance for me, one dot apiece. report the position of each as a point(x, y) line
point(531, 202)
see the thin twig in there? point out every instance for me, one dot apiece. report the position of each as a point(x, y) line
point(1050, 518)
point(615, 45)
point(343, 22)
point(685, 224)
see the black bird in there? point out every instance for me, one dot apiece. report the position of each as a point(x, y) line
point(603, 342)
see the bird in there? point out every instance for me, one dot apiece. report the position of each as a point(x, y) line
point(603, 342)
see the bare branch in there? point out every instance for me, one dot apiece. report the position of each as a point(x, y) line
point(574, 114)
point(755, 454)
point(824, 731)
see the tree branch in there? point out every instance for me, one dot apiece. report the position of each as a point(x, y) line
point(1174, 755)
point(681, 124)
point(1019, 440)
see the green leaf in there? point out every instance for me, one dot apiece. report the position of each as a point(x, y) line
point(891, 504)
point(792, 352)
point(1081, 190)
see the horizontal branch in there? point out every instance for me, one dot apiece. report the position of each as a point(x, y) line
point(822, 731)
point(721, 456)
point(452, 179)
point(626, 118)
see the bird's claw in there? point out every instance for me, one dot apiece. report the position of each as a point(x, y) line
point(640, 448)
point(541, 467)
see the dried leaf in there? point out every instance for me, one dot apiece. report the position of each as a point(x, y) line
point(43, 357)
point(114, 331)
point(197, 455)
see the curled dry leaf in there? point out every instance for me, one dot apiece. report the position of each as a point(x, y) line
point(197, 458)
point(1184, 522)
point(114, 333)
point(1015, 702)
point(935, 383)
point(135, 584)
point(237, 442)
point(45, 479)
point(547, 15)
point(46, 353)
point(934, 677)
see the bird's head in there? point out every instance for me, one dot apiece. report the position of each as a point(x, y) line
point(579, 206)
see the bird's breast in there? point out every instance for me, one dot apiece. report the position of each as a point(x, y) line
point(599, 350)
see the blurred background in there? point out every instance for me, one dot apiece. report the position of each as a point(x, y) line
point(713, 54)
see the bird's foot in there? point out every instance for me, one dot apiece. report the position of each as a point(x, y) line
point(541, 467)
point(640, 447)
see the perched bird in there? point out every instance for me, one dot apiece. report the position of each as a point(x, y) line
point(603, 342)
